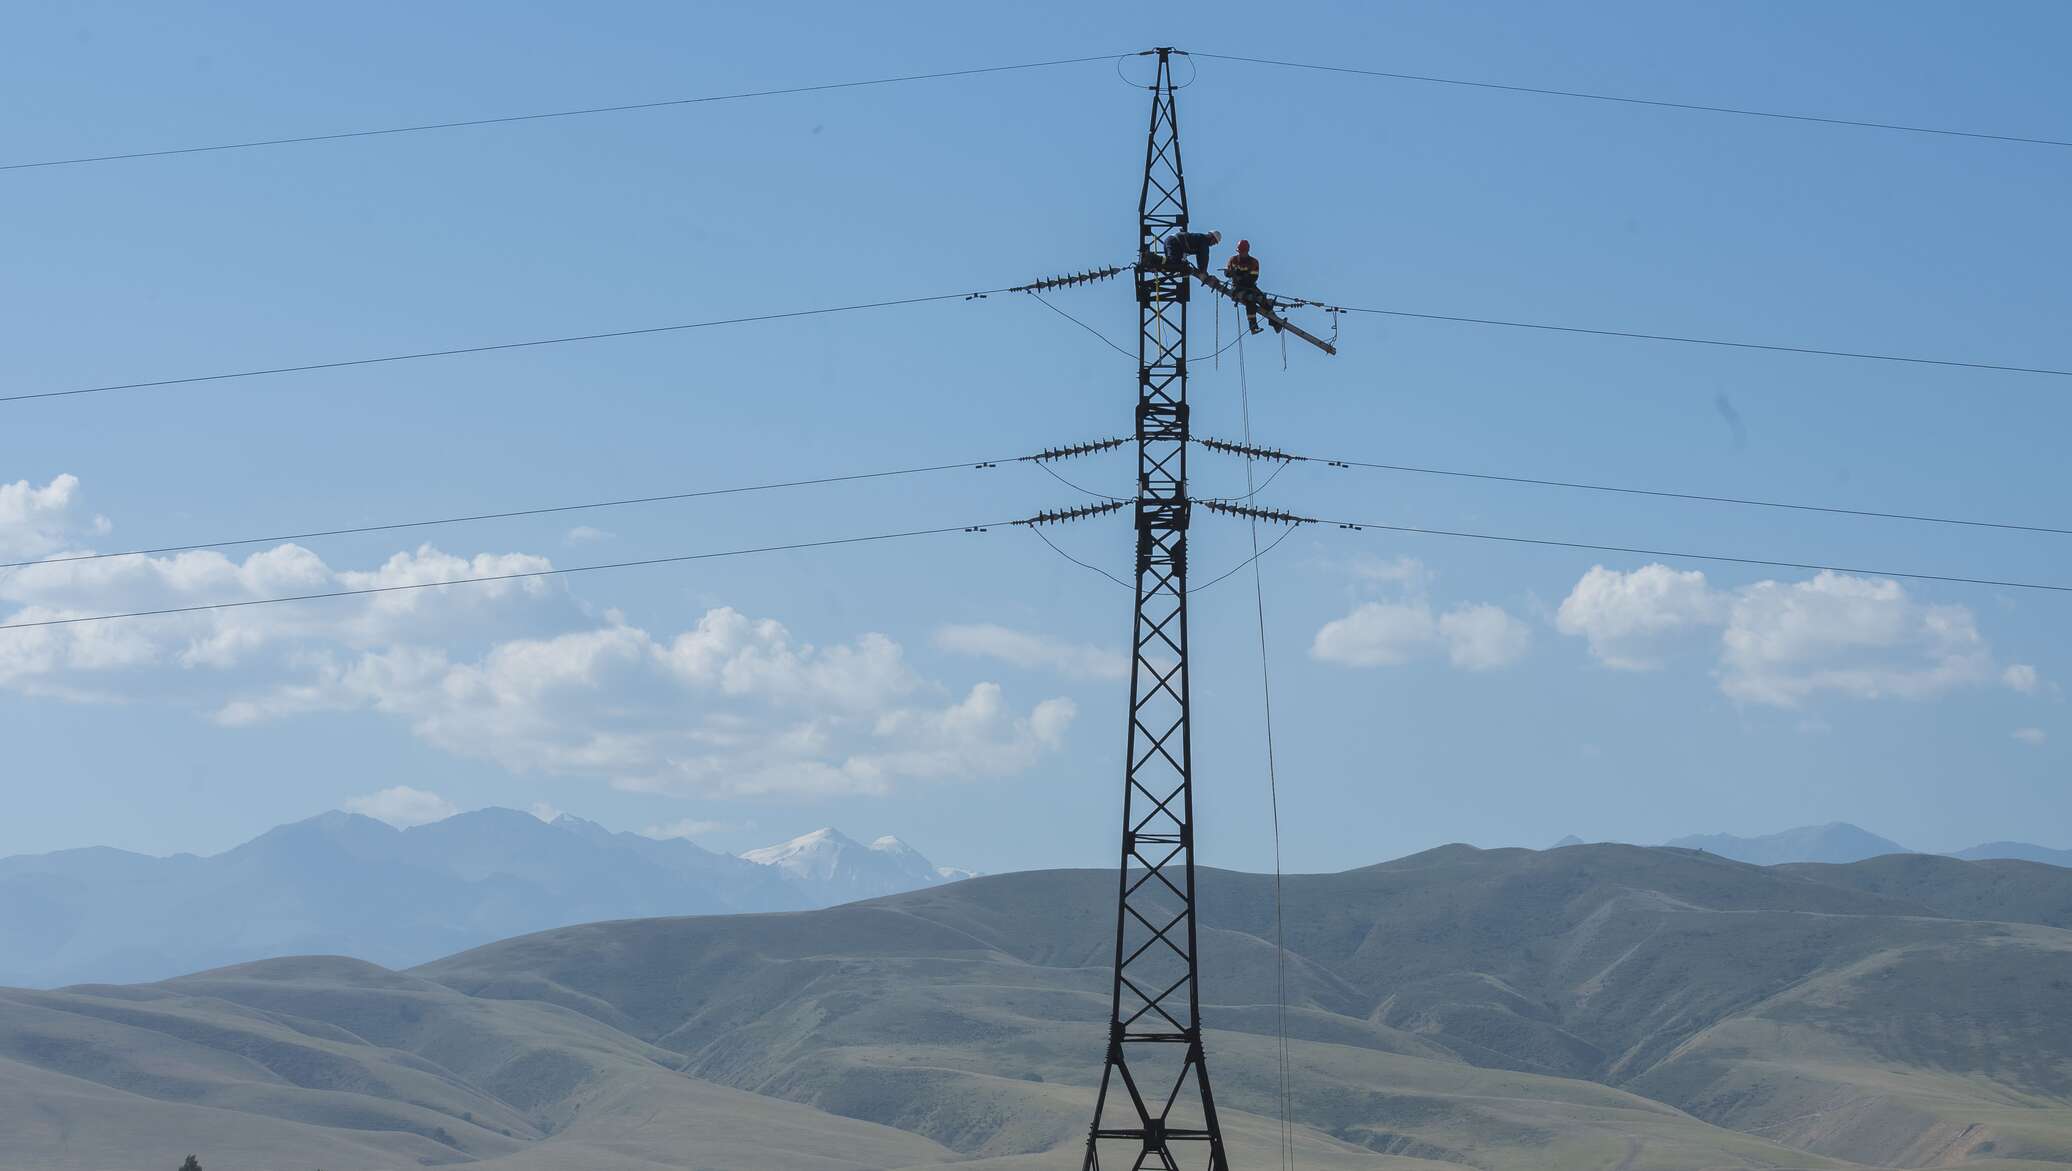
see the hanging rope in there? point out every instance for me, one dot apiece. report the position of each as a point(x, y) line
point(1273, 785)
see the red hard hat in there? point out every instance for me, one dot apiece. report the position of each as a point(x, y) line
point(1244, 245)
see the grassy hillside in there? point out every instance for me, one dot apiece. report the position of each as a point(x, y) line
point(1593, 1007)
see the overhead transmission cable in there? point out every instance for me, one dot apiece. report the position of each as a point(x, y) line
point(1634, 335)
point(1623, 99)
point(892, 536)
point(484, 349)
point(974, 295)
point(514, 513)
point(1287, 458)
point(494, 577)
point(550, 114)
point(1684, 555)
point(744, 95)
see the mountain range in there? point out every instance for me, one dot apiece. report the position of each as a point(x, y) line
point(1599, 1006)
point(348, 884)
point(342, 883)
point(1838, 841)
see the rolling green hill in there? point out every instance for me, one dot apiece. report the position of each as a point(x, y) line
point(1591, 1007)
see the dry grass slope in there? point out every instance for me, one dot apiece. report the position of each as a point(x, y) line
point(1597, 1007)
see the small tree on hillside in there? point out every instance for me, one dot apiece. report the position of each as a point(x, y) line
point(192, 1164)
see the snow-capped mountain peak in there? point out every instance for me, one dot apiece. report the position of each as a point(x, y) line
point(834, 867)
point(812, 857)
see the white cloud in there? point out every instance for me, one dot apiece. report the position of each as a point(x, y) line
point(543, 811)
point(1377, 634)
point(35, 522)
point(84, 659)
point(1781, 643)
point(585, 535)
point(1855, 636)
point(685, 828)
point(2034, 737)
point(1483, 637)
point(2022, 677)
point(402, 806)
point(1402, 571)
point(1387, 634)
point(735, 704)
point(1631, 618)
point(1033, 650)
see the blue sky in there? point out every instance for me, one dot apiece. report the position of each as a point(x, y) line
point(958, 691)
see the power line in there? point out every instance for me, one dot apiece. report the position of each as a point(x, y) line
point(1633, 101)
point(483, 349)
point(1668, 495)
point(1709, 341)
point(578, 113)
point(536, 573)
point(1686, 556)
point(973, 295)
point(510, 514)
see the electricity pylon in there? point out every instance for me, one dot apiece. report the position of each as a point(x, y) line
point(1154, 1101)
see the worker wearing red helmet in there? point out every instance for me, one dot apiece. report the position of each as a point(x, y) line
point(1243, 272)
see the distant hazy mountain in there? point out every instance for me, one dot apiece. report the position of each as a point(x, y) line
point(2021, 851)
point(839, 869)
point(1570, 840)
point(345, 884)
point(1837, 841)
point(1596, 1007)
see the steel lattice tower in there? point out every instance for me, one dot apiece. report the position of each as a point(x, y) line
point(1154, 1101)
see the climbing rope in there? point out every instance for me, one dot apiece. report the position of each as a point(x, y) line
point(1273, 786)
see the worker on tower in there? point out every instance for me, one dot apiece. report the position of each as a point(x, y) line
point(1243, 273)
point(1181, 245)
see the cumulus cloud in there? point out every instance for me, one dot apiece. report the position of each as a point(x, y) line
point(82, 659)
point(36, 522)
point(1377, 634)
point(1859, 637)
point(736, 704)
point(2022, 677)
point(1630, 619)
point(585, 535)
point(1403, 571)
point(402, 806)
point(1387, 634)
point(1483, 637)
point(1781, 643)
point(2034, 737)
point(1033, 650)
